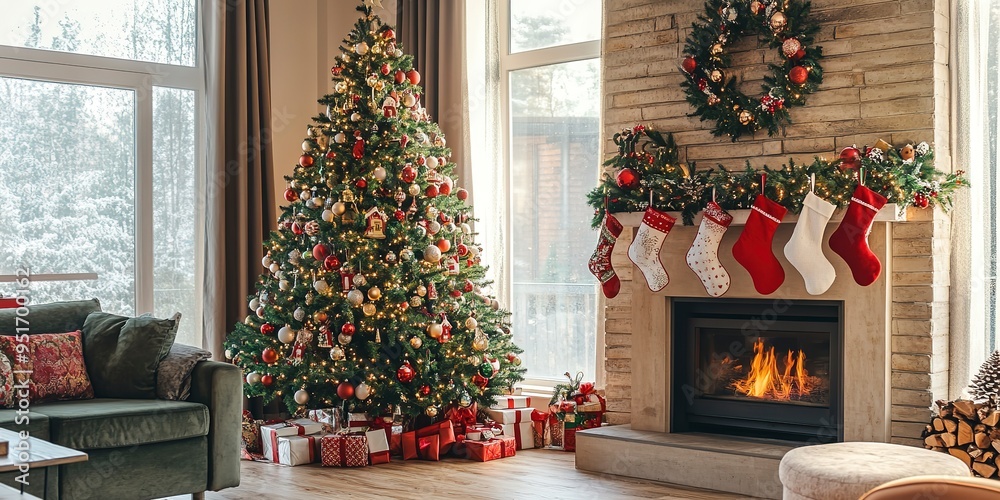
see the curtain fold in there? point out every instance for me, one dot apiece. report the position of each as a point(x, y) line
point(434, 33)
point(239, 199)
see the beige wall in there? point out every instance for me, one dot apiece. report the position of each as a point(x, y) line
point(886, 76)
point(305, 36)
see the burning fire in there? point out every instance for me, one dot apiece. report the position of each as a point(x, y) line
point(765, 380)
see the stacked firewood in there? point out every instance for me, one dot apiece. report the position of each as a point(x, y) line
point(967, 430)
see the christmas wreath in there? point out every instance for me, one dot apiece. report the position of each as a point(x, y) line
point(715, 94)
point(647, 170)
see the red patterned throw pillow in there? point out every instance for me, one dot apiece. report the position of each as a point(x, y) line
point(55, 363)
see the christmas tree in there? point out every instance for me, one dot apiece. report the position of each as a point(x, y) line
point(374, 298)
point(986, 384)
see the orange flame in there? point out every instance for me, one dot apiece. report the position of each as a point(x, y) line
point(764, 380)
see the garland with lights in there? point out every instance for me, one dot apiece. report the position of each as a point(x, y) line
point(646, 169)
point(715, 95)
point(373, 296)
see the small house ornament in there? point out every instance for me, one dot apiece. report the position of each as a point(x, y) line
point(375, 224)
point(325, 337)
point(452, 267)
point(347, 278)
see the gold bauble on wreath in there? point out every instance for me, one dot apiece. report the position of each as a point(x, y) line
point(746, 117)
point(715, 76)
point(778, 22)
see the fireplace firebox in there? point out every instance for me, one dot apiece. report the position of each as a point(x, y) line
point(758, 368)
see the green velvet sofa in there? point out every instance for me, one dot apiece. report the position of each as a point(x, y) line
point(138, 448)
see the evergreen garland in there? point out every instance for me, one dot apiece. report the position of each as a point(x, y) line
point(652, 159)
point(715, 94)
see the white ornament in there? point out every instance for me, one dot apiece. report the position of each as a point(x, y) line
point(301, 396)
point(433, 227)
point(286, 335)
point(328, 215)
point(260, 312)
point(355, 297)
point(466, 229)
point(361, 48)
point(284, 285)
point(299, 314)
point(432, 162)
point(340, 138)
point(355, 116)
point(379, 174)
point(321, 286)
point(432, 254)
point(471, 323)
point(337, 353)
point(266, 261)
point(254, 303)
point(362, 391)
point(274, 267)
point(229, 354)
point(305, 195)
point(344, 339)
point(253, 378)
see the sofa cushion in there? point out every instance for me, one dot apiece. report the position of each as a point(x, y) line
point(52, 367)
point(35, 423)
point(114, 423)
point(55, 317)
point(123, 354)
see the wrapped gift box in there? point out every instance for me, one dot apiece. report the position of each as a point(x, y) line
point(378, 447)
point(509, 402)
point(297, 450)
point(521, 433)
point(515, 416)
point(569, 439)
point(358, 422)
point(269, 434)
point(484, 451)
point(307, 426)
point(462, 417)
point(429, 443)
point(344, 450)
point(326, 416)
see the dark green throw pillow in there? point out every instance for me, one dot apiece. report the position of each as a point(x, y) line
point(123, 354)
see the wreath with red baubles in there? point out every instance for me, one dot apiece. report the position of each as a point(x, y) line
point(713, 89)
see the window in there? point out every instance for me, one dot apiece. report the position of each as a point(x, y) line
point(550, 77)
point(100, 112)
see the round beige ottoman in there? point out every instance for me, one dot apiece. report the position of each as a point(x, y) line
point(845, 471)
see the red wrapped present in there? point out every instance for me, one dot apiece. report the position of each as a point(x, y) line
point(359, 422)
point(555, 428)
point(344, 450)
point(378, 447)
point(251, 444)
point(569, 439)
point(461, 418)
point(416, 443)
point(484, 451)
point(539, 419)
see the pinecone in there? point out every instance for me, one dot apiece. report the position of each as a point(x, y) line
point(986, 384)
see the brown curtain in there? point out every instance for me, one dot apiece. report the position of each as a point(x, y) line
point(239, 206)
point(433, 32)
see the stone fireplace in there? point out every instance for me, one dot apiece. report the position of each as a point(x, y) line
point(886, 76)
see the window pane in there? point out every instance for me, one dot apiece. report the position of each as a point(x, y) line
point(174, 210)
point(162, 31)
point(554, 163)
point(67, 163)
point(537, 25)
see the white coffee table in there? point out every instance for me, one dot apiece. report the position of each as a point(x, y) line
point(42, 455)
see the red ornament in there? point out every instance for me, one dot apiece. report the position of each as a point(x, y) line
point(444, 245)
point(480, 381)
point(361, 183)
point(267, 380)
point(431, 191)
point(455, 293)
point(359, 149)
point(345, 390)
point(406, 373)
point(463, 249)
point(331, 263)
point(400, 76)
point(919, 200)
point(336, 70)
point(400, 215)
point(267, 328)
point(348, 329)
point(291, 196)
point(386, 69)
point(445, 189)
point(409, 174)
point(320, 252)
point(413, 76)
point(425, 390)
point(389, 34)
point(689, 64)
point(850, 158)
point(468, 286)
point(627, 179)
point(305, 161)
point(331, 154)
point(421, 160)
point(799, 55)
point(702, 85)
point(269, 355)
point(298, 228)
point(462, 194)
point(798, 75)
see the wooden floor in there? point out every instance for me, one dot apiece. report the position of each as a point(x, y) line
point(536, 474)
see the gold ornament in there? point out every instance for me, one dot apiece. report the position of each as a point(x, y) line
point(746, 117)
point(715, 49)
point(374, 293)
point(368, 309)
point(415, 342)
point(431, 411)
point(756, 7)
point(715, 76)
point(320, 316)
point(480, 342)
point(778, 22)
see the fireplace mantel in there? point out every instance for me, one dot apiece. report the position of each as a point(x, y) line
point(889, 213)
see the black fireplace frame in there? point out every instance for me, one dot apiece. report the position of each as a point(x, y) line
point(792, 422)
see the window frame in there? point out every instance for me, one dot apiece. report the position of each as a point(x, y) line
point(510, 62)
point(141, 77)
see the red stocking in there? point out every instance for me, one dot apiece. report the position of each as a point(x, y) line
point(753, 249)
point(850, 240)
point(600, 261)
